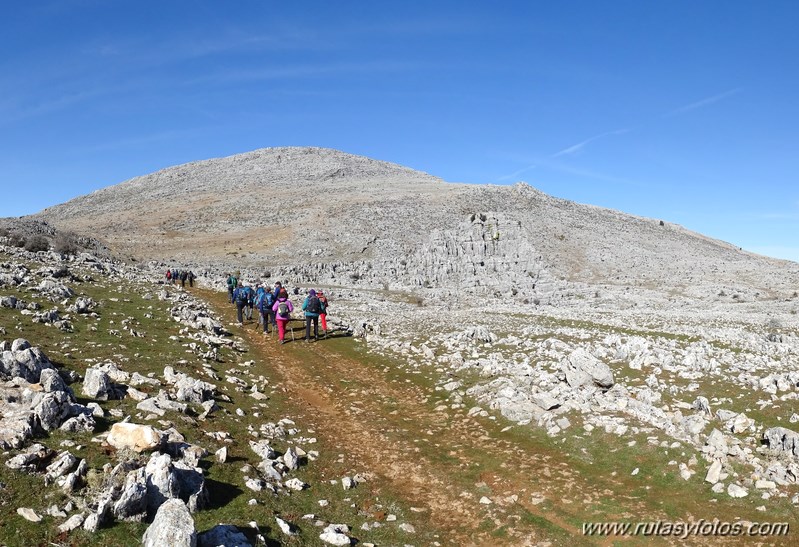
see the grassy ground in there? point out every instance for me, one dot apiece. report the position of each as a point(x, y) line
point(162, 344)
point(428, 464)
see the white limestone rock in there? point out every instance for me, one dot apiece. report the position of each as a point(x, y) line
point(173, 525)
point(582, 369)
point(133, 436)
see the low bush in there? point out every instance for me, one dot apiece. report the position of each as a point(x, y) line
point(37, 243)
point(16, 240)
point(66, 243)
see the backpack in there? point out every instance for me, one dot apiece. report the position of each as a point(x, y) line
point(241, 295)
point(314, 305)
point(259, 298)
point(283, 309)
point(269, 299)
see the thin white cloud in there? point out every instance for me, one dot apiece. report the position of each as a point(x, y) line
point(703, 103)
point(517, 172)
point(586, 173)
point(558, 167)
point(580, 145)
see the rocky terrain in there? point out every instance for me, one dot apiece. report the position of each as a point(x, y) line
point(517, 365)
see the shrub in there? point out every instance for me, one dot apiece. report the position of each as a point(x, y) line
point(37, 243)
point(66, 243)
point(16, 240)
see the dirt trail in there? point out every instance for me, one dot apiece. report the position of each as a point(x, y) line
point(440, 460)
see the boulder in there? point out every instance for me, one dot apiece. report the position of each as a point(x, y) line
point(30, 459)
point(51, 381)
point(162, 483)
point(97, 384)
point(173, 525)
point(783, 440)
point(544, 400)
point(223, 534)
point(63, 464)
point(133, 436)
point(52, 409)
point(336, 534)
point(582, 368)
point(26, 362)
point(713, 472)
point(132, 502)
point(191, 390)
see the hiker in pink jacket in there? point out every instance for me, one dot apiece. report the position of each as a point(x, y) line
point(282, 308)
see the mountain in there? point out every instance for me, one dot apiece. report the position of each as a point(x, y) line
point(325, 216)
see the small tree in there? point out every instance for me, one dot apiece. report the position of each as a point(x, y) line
point(37, 243)
point(16, 240)
point(65, 243)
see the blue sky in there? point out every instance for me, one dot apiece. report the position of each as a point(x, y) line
point(684, 111)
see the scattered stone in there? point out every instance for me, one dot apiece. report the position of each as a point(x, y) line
point(336, 534)
point(71, 523)
point(285, 527)
point(223, 534)
point(28, 514)
point(737, 491)
point(173, 525)
point(713, 472)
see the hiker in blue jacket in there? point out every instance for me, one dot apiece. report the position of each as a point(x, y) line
point(312, 308)
point(240, 299)
point(267, 313)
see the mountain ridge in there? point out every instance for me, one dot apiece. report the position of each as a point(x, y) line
point(323, 215)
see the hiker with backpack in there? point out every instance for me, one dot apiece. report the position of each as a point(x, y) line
point(184, 276)
point(282, 308)
point(240, 298)
point(250, 299)
point(312, 308)
point(267, 314)
point(259, 296)
point(323, 315)
point(192, 277)
point(232, 283)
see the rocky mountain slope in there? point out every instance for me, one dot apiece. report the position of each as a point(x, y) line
point(316, 215)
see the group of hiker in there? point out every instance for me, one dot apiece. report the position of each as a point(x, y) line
point(273, 307)
point(176, 276)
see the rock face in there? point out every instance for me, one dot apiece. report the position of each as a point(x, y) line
point(173, 525)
